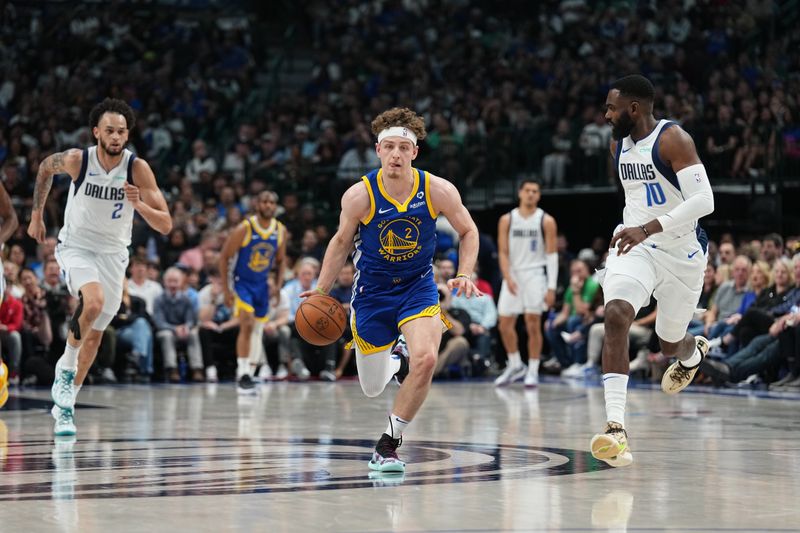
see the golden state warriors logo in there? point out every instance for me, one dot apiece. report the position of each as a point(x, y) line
point(399, 238)
point(260, 257)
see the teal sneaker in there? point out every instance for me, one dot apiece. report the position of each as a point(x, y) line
point(384, 458)
point(65, 422)
point(63, 389)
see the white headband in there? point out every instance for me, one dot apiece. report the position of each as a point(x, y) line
point(398, 131)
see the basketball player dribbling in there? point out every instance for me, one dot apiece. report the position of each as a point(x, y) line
point(659, 249)
point(7, 228)
point(526, 246)
point(108, 184)
point(391, 216)
point(258, 244)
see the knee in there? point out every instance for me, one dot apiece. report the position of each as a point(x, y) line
point(372, 389)
point(618, 315)
point(424, 363)
point(92, 307)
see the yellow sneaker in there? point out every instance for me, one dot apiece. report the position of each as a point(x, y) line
point(612, 446)
point(3, 384)
point(678, 377)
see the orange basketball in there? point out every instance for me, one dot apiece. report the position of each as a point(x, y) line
point(320, 320)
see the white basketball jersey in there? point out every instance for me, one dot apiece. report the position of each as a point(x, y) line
point(526, 248)
point(651, 187)
point(98, 217)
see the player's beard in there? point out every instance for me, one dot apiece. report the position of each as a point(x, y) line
point(107, 149)
point(623, 127)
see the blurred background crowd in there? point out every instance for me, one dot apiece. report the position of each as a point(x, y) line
point(233, 101)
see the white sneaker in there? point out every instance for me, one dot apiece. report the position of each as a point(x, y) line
point(299, 369)
point(211, 374)
point(282, 372)
point(65, 421)
point(265, 373)
point(327, 375)
point(510, 375)
point(531, 380)
point(574, 371)
point(63, 389)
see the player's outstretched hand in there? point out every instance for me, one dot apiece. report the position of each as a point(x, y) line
point(464, 285)
point(626, 239)
point(306, 294)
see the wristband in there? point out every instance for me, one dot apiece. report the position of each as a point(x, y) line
point(646, 233)
point(321, 291)
point(463, 276)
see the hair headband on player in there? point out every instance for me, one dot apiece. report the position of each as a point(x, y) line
point(398, 131)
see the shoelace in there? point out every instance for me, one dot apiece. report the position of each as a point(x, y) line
point(65, 416)
point(387, 449)
point(66, 381)
point(680, 374)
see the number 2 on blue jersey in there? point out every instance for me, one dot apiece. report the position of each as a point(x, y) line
point(655, 194)
point(117, 209)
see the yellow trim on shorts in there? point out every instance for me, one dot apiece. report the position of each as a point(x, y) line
point(241, 305)
point(371, 201)
point(401, 208)
point(431, 210)
point(433, 310)
point(366, 348)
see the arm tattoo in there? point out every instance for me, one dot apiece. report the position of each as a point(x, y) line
point(44, 178)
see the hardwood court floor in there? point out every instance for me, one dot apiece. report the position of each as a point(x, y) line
point(198, 458)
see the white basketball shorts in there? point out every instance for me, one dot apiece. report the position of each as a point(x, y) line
point(674, 276)
point(531, 289)
point(80, 266)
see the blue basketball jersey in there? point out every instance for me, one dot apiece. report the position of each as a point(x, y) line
point(396, 240)
point(258, 250)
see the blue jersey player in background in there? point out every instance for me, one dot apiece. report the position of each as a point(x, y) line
point(390, 218)
point(259, 245)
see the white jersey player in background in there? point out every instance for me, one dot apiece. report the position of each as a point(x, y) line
point(526, 245)
point(659, 249)
point(109, 183)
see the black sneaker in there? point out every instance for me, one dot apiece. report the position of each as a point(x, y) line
point(400, 351)
point(384, 458)
point(246, 385)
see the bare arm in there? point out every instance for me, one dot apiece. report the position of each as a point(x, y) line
point(502, 252)
point(280, 258)
point(447, 200)
point(147, 199)
point(9, 216)
point(355, 207)
point(551, 251)
point(232, 245)
point(68, 162)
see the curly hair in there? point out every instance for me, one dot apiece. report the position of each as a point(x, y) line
point(112, 105)
point(400, 116)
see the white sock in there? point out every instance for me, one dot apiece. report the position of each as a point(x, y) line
point(69, 360)
point(514, 360)
point(616, 390)
point(396, 426)
point(242, 367)
point(694, 360)
point(533, 367)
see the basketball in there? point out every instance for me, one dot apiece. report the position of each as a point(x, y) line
point(320, 320)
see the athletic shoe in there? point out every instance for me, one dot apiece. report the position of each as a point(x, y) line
point(65, 421)
point(299, 369)
point(211, 374)
point(246, 385)
point(575, 370)
point(531, 380)
point(282, 372)
point(400, 352)
point(265, 373)
point(63, 389)
point(677, 377)
point(612, 446)
point(327, 375)
point(384, 458)
point(3, 384)
point(510, 375)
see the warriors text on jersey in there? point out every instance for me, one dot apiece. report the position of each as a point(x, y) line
point(396, 240)
point(98, 217)
point(651, 186)
point(526, 247)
